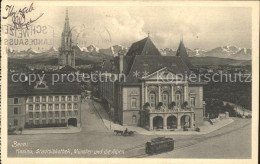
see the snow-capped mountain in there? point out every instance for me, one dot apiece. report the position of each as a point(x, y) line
point(113, 50)
point(92, 48)
point(51, 50)
point(92, 51)
point(167, 51)
point(232, 52)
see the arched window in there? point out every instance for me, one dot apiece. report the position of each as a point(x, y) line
point(178, 99)
point(165, 99)
point(152, 99)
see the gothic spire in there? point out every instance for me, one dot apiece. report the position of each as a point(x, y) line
point(66, 24)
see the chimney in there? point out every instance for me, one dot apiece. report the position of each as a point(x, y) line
point(121, 62)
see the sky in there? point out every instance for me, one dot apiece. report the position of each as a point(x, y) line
point(200, 27)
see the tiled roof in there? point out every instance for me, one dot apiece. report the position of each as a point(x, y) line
point(143, 47)
point(16, 89)
point(152, 64)
point(143, 56)
point(65, 87)
point(182, 52)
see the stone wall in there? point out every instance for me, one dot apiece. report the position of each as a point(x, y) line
point(130, 114)
point(197, 92)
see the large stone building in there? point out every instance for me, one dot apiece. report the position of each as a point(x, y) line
point(43, 104)
point(66, 51)
point(150, 91)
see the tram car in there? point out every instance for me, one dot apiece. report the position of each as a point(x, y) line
point(158, 145)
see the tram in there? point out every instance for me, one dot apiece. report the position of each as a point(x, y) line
point(158, 145)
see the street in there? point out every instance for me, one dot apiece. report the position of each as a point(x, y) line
point(96, 140)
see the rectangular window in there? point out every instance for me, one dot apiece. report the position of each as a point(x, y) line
point(37, 122)
point(75, 113)
point(56, 106)
point(56, 114)
point(15, 110)
point(56, 121)
point(43, 114)
point(152, 99)
point(43, 107)
point(69, 113)
point(75, 98)
point(57, 98)
point(62, 106)
point(69, 98)
point(30, 122)
point(37, 107)
point(16, 100)
point(133, 102)
point(62, 114)
point(37, 114)
point(165, 99)
point(43, 98)
point(192, 101)
point(50, 106)
point(37, 99)
point(75, 106)
point(63, 98)
point(63, 121)
point(50, 121)
point(30, 99)
point(50, 114)
point(30, 114)
point(43, 121)
point(69, 106)
point(30, 107)
point(50, 98)
point(15, 122)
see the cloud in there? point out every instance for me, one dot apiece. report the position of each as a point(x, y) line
point(203, 27)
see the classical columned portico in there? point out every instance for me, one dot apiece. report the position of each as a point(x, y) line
point(168, 121)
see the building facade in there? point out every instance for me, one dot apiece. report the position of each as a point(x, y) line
point(150, 90)
point(43, 104)
point(66, 51)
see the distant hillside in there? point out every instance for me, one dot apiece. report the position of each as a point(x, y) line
point(48, 61)
point(218, 61)
point(85, 60)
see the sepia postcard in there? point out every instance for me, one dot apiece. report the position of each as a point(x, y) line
point(116, 81)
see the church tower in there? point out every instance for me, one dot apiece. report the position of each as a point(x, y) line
point(66, 52)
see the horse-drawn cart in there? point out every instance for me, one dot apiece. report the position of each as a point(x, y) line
point(124, 133)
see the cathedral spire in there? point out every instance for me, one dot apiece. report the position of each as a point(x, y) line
point(66, 24)
point(67, 54)
point(67, 15)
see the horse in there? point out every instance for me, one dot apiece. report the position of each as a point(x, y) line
point(118, 132)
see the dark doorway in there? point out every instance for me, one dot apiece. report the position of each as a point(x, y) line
point(158, 122)
point(72, 122)
point(171, 122)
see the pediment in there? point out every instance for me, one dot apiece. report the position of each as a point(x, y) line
point(163, 75)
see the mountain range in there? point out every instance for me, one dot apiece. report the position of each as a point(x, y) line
point(94, 53)
point(231, 52)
